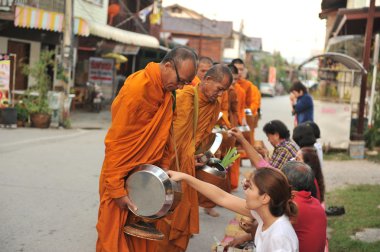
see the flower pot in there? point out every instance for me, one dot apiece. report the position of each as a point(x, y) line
point(40, 120)
point(21, 123)
point(8, 116)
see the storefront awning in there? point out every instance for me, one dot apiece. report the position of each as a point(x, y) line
point(123, 36)
point(29, 17)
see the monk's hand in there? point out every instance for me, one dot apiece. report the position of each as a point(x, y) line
point(125, 202)
point(198, 160)
point(236, 133)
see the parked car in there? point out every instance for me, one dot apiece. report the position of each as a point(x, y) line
point(267, 89)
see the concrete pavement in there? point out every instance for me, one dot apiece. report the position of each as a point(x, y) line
point(49, 186)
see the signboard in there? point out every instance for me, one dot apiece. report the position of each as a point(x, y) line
point(5, 74)
point(334, 120)
point(101, 70)
point(272, 75)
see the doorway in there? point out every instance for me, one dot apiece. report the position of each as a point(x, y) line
point(22, 51)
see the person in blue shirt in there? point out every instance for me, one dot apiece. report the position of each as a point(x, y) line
point(302, 102)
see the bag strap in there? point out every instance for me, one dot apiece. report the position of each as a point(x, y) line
point(196, 110)
point(175, 147)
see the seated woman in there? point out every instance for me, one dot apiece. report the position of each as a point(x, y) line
point(268, 200)
point(309, 156)
point(278, 135)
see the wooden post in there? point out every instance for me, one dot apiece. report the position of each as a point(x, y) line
point(366, 55)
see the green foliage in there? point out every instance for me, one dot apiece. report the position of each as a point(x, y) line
point(67, 123)
point(230, 157)
point(61, 74)
point(372, 134)
point(36, 99)
point(361, 205)
point(22, 111)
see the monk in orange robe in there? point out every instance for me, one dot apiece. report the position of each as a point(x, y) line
point(237, 117)
point(248, 88)
point(141, 119)
point(189, 132)
point(204, 64)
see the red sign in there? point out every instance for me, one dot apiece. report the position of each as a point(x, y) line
point(101, 70)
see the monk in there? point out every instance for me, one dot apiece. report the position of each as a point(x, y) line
point(141, 119)
point(237, 117)
point(204, 64)
point(190, 131)
point(248, 87)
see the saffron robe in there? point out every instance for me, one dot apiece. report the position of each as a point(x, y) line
point(195, 81)
point(142, 114)
point(223, 100)
point(241, 102)
point(179, 226)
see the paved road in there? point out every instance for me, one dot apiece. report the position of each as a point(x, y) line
point(49, 183)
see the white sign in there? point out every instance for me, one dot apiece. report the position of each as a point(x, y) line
point(101, 70)
point(5, 73)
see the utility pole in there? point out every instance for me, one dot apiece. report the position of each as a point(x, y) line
point(67, 59)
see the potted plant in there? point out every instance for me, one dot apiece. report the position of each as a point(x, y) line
point(22, 114)
point(36, 100)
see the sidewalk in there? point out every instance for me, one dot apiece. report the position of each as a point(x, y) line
point(82, 119)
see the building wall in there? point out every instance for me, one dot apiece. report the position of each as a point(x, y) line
point(210, 47)
point(232, 53)
point(3, 44)
point(90, 11)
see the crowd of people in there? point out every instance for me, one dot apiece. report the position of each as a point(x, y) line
point(166, 112)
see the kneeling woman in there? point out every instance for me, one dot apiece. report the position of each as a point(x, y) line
point(268, 200)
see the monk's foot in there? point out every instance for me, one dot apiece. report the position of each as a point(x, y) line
point(211, 212)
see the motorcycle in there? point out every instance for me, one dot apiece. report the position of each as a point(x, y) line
point(96, 96)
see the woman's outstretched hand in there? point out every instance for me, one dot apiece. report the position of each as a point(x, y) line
point(176, 176)
point(236, 133)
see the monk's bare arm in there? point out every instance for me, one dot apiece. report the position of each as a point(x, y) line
point(214, 193)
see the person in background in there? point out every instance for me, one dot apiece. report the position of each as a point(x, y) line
point(142, 115)
point(268, 200)
point(317, 135)
point(204, 64)
point(278, 135)
point(302, 103)
point(247, 86)
point(191, 128)
point(303, 135)
point(311, 222)
point(233, 113)
point(309, 156)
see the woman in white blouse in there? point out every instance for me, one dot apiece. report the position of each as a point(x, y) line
point(268, 200)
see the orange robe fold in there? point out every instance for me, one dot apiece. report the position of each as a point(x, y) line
point(141, 118)
point(256, 99)
point(195, 81)
point(240, 93)
point(233, 107)
point(179, 226)
point(247, 87)
point(223, 100)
